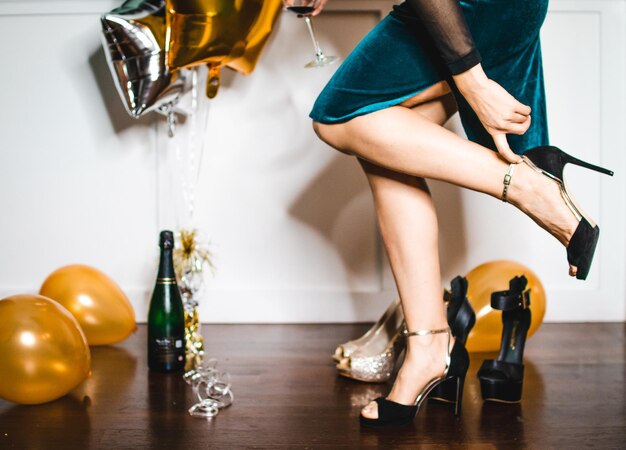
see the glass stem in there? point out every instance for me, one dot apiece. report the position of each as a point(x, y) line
point(318, 50)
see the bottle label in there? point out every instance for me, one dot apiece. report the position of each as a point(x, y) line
point(168, 349)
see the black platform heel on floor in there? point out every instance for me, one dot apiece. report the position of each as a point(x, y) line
point(461, 319)
point(391, 413)
point(550, 161)
point(501, 380)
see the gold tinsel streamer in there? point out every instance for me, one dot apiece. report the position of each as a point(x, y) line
point(190, 255)
point(190, 259)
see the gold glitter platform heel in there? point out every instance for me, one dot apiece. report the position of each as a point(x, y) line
point(375, 361)
point(377, 336)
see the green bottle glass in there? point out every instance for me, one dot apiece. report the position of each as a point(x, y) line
point(166, 317)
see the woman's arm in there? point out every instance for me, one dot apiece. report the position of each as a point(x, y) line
point(445, 23)
point(499, 112)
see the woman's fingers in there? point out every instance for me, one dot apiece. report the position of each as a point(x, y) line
point(319, 5)
point(522, 109)
point(499, 138)
point(499, 112)
point(518, 118)
point(516, 128)
point(503, 148)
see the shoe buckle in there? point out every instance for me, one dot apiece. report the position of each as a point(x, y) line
point(447, 296)
point(507, 181)
point(525, 299)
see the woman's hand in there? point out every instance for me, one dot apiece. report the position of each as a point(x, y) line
point(499, 112)
point(319, 5)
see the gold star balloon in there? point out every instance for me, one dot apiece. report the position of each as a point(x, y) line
point(216, 32)
point(257, 38)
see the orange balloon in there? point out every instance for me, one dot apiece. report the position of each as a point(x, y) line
point(100, 306)
point(494, 276)
point(43, 351)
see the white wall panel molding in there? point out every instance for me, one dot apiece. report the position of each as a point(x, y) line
point(585, 64)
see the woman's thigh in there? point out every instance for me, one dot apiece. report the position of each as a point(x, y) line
point(433, 92)
point(436, 103)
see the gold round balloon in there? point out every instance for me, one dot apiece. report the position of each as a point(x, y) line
point(257, 37)
point(494, 276)
point(100, 306)
point(44, 353)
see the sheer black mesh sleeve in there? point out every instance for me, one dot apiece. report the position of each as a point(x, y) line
point(445, 23)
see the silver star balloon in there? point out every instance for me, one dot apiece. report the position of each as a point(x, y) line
point(133, 37)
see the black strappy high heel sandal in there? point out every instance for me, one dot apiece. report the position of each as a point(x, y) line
point(391, 413)
point(461, 319)
point(550, 161)
point(501, 380)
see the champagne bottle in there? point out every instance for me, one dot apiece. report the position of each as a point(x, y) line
point(166, 318)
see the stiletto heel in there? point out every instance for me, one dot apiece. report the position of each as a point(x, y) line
point(579, 162)
point(550, 161)
point(461, 319)
point(502, 380)
point(460, 382)
point(391, 413)
point(384, 329)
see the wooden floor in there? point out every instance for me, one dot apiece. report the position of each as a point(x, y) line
point(287, 395)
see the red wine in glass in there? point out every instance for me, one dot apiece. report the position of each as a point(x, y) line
point(301, 10)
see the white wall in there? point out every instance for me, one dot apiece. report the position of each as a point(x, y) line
point(291, 221)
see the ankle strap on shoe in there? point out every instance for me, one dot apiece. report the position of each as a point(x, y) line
point(507, 181)
point(510, 302)
point(425, 332)
point(446, 330)
point(517, 297)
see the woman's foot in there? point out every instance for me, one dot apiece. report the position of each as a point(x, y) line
point(425, 360)
point(540, 198)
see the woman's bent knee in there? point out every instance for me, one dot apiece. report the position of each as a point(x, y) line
point(317, 127)
point(327, 133)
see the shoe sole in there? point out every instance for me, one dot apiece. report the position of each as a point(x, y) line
point(501, 392)
point(352, 377)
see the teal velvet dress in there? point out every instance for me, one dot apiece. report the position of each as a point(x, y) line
point(398, 59)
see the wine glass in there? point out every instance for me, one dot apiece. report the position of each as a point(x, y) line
point(304, 8)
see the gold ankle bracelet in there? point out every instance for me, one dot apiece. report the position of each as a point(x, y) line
point(507, 181)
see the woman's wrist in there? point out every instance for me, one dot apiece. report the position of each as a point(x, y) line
point(471, 80)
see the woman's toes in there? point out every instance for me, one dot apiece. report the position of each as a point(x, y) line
point(370, 411)
point(572, 270)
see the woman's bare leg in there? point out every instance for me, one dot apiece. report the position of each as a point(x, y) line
point(404, 141)
point(408, 224)
point(396, 147)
